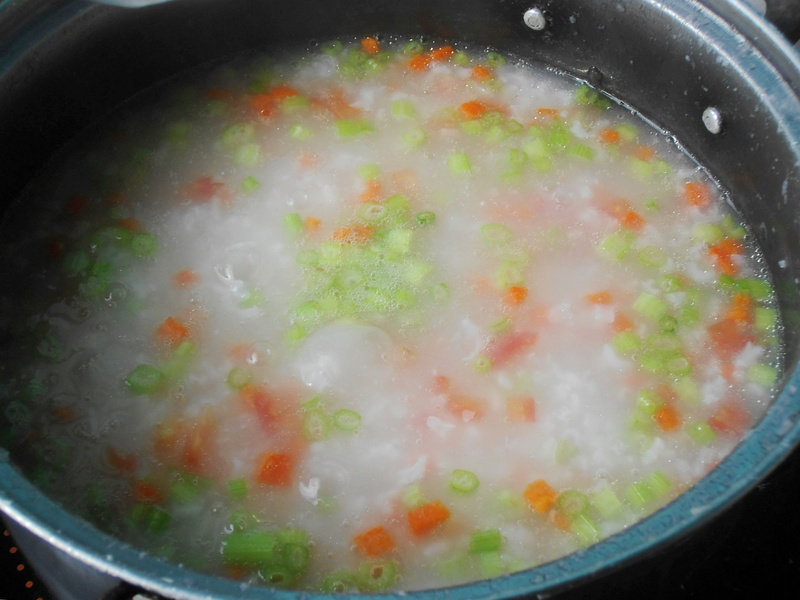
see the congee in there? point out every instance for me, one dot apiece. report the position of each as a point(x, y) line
point(380, 314)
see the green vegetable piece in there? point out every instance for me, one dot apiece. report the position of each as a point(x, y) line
point(251, 550)
point(426, 217)
point(482, 363)
point(618, 244)
point(75, 263)
point(486, 540)
point(293, 223)
point(708, 233)
point(607, 503)
point(701, 432)
point(299, 131)
point(464, 481)
point(179, 361)
point(581, 151)
point(332, 48)
point(316, 425)
point(652, 256)
point(585, 529)
point(765, 319)
point(247, 155)
point(572, 503)
point(626, 342)
point(348, 128)
point(143, 245)
point(145, 380)
point(238, 134)
point(238, 488)
point(495, 59)
point(496, 234)
point(650, 306)
point(377, 575)
point(403, 108)
point(492, 564)
point(239, 378)
point(250, 184)
point(414, 138)
point(459, 163)
point(347, 420)
point(763, 374)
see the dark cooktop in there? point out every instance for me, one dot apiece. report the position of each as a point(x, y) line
point(751, 551)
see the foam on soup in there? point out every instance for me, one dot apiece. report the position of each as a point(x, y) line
point(381, 315)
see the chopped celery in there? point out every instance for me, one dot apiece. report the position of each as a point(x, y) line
point(426, 217)
point(460, 58)
point(250, 549)
point(607, 503)
point(179, 361)
point(650, 306)
point(293, 223)
point(687, 390)
point(765, 319)
point(581, 151)
point(143, 245)
point(413, 48)
point(649, 401)
point(238, 488)
point(459, 163)
point(701, 432)
point(762, 374)
point(413, 496)
point(572, 503)
point(238, 134)
point(482, 363)
point(377, 575)
point(353, 127)
point(464, 481)
point(413, 138)
point(151, 519)
point(247, 155)
point(757, 288)
point(652, 256)
point(403, 108)
point(186, 489)
point(347, 420)
point(495, 59)
point(486, 540)
point(626, 342)
point(333, 48)
point(316, 425)
point(492, 564)
point(659, 484)
point(496, 234)
point(708, 233)
point(618, 244)
point(565, 451)
point(145, 379)
point(299, 131)
point(339, 582)
point(501, 326)
point(253, 299)
point(585, 529)
point(250, 184)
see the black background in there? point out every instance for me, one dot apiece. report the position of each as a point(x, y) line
point(750, 551)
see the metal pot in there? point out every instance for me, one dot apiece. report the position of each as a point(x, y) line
point(711, 73)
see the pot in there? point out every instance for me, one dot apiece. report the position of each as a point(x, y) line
point(712, 74)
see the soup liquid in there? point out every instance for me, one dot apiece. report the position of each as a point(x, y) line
point(380, 315)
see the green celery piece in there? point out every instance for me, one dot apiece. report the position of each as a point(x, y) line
point(486, 540)
point(145, 380)
point(464, 481)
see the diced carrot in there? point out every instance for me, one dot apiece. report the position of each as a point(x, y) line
point(276, 468)
point(185, 278)
point(147, 493)
point(171, 332)
point(312, 223)
point(371, 45)
point(262, 104)
point(419, 62)
point(281, 92)
point(466, 408)
point(622, 323)
point(668, 418)
point(441, 384)
point(203, 189)
point(561, 520)
point(442, 53)
point(731, 417)
point(122, 462)
point(472, 109)
point(609, 136)
point(334, 102)
point(375, 542)
point(516, 294)
point(426, 518)
point(697, 193)
point(77, 205)
point(728, 338)
point(131, 224)
point(603, 297)
point(548, 112)
point(65, 414)
point(373, 190)
point(616, 207)
point(540, 496)
point(521, 409)
point(481, 73)
point(645, 153)
point(263, 403)
point(355, 234)
point(510, 347)
point(741, 309)
point(722, 256)
point(307, 160)
point(632, 220)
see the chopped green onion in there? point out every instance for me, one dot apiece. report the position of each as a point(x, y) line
point(464, 481)
point(316, 425)
point(459, 163)
point(377, 575)
point(572, 503)
point(426, 217)
point(618, 244)
point(650, 306)
point(145, 379)
point(143, 245)
point(652, 256)
point(339, 582)
point(353, 127)
point(238, 488)
point(487, 540)
point(762, 374)
point(482, 363)
point(250, 184)
point(708, 233)
point(626, 342)
point(347, 420)
point(293, 223)
point(239, 378)
point(701, 432)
